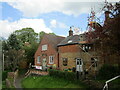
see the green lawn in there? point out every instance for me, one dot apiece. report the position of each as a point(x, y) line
point(49, 82)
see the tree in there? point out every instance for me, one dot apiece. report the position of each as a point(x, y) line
point(41, 34)
point(12, 52)
point(12, 58)
point(106, 38)
point(108, 45)
point(30, 51)
point(13, 42)
point(26, 35)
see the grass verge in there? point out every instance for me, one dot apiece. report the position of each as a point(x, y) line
point(49, 82)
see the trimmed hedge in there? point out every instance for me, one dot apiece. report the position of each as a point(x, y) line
point(108, 72)
point(62, 74)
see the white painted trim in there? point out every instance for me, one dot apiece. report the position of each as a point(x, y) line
point(50, 59)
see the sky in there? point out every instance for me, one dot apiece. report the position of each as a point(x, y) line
point(55, 16)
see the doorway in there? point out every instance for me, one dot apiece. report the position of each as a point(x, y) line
point(79, 65)
point(44, 64)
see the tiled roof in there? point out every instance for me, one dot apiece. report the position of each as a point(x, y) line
point(54, 40)
point(70, 40)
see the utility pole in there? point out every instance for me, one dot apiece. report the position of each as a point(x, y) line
point(3, 60)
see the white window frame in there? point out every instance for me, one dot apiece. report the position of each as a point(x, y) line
point(38, 59)
point(51, 59)
point(44, 47)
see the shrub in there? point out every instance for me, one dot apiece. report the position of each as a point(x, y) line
point(62, 74)
point(108, 72)
point(4, 75)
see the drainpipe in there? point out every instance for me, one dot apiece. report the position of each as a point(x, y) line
point(58, 60)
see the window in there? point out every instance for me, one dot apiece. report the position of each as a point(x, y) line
point(51, 58)
point(69, 41)
point(38, 59)
point(65, 61)
point(44, 47)
point(94, 62)
point(79, 62)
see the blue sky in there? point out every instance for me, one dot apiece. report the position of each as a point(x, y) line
point(45, 15)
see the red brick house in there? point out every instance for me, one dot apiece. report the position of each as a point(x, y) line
point(47, 52)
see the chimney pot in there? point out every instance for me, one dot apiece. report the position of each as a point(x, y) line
point(70, 32)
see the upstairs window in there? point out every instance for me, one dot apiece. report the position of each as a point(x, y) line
point(38, 59)
point(44, 47)
point(65, 61)
point(51, 58)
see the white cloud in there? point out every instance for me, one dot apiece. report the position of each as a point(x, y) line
point(33, 8)
point(53, 23)
point(57, 24)
point(8, 27)
point(62, 25)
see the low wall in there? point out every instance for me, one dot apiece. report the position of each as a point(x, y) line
point(11, 77)
point(8, 84)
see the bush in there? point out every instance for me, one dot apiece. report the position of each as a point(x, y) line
point(62, 74)
point(108, 72)
point(4, 75)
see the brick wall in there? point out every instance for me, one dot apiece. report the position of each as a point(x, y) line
point(72, 52)
point(71, 60)
point(69, 48)
point(45, 54)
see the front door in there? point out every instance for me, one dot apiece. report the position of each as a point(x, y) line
point(79, 65)
point(44, 63)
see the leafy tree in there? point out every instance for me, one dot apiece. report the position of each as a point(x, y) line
point(12, 58)
point(12, 52)
point(26, 35)
point(52, 33)
point(41, 34)
point(30, 51)
point(13, 42)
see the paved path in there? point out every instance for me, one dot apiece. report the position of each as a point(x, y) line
point(18, 82)
point(21, 77)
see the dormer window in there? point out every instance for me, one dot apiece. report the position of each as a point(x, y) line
point(69, 41)
point(44, 47)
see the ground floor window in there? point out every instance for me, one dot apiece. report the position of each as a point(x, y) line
point(65, 61)
point(94, 62)
point(38, 59)
point(51, 59)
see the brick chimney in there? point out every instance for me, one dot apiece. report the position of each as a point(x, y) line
point(70, 32)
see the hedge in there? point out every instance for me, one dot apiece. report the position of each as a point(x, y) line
point(108, 72)
point(62, 74)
